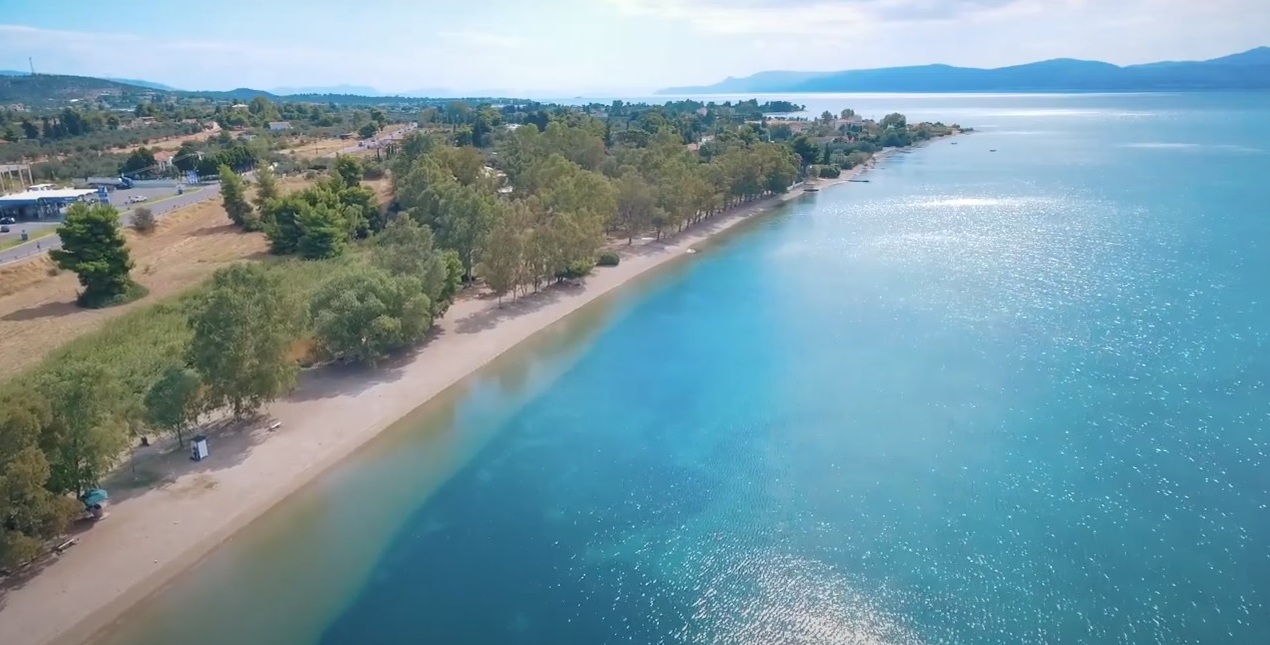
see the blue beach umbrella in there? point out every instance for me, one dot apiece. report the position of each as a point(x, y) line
point(95, 496)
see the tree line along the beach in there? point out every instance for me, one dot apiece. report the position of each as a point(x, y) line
point(548, 193)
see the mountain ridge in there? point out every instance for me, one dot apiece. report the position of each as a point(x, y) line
point(1246, 70)
point(23, 87)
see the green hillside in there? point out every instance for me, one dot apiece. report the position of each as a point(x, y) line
point(41, 89)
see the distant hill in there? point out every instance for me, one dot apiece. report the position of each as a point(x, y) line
point(1248, 70)
point(243, 94)
point(53, 90)
point(44, 89)
point(41, 88)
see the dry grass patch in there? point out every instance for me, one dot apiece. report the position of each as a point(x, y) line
point(311, 148)
point(316, 148)
point(17, 276)
point(169, 143)
point(37, 301)
point(37, 309)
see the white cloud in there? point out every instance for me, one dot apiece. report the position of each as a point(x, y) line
point(804, 17)
point(198, 64)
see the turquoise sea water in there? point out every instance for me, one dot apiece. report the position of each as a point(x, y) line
point(988, 397)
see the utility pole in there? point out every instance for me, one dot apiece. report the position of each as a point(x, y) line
point(32, 64)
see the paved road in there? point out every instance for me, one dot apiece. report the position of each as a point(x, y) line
point(159, 207)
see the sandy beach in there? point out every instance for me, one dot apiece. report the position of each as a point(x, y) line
point(155, 533)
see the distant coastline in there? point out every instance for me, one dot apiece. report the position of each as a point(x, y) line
point(1248, 70)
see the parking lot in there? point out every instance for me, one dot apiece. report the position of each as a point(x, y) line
point(32, 229)
point(159, 200)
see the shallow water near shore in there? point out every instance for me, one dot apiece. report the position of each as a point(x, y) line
point(987, 397)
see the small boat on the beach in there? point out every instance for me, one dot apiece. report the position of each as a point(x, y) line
point(858, 181)
point(811, 189)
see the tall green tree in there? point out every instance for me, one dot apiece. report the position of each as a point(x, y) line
point(422, 190)
point(93, 248)
point(453, 278)
point(244, 323)
point(636, 205)
point(186, 158)
point(140, 161)
point(173, 402)
point(503, 263)
point(281, 222)
point(266, 187)
point(29, 511)
point(349, 171)
point(234, 197)
point(323, 232)
point(894, 120)
point(464, 223)
point(404, 248)
point(806, 149)
point(30, 130)
point(362, 210)
point(88, 427)
point(364, 314)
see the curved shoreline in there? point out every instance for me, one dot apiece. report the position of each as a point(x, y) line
point(160, 532)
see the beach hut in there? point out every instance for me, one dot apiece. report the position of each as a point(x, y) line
point(198, 448)
point(95, 502)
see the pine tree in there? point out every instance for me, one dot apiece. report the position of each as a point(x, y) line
point(94, 248)
point(234, 195)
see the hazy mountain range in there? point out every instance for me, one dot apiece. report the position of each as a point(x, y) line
point(1248, 70)
point(332, 90)
point(40, 89)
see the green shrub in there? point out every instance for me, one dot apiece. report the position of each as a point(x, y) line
point(830, 172)
point(132, 291)
point(576, 269)
point(373, 170)
point(143, 220)
point(608, 259)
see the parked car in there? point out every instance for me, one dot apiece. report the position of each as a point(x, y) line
point(4, 228)
point(8, 220)
point(136, 199)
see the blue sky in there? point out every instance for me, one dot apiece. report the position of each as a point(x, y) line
point(568, 47)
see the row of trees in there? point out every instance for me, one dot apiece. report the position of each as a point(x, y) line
point(66, 427)
point(542, 209)
point(66, 123)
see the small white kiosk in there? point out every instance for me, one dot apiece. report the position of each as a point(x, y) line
point(198, 448)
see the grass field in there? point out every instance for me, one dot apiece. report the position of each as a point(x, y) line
point(16, 240)
point(37, 301)
point(38, 313)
